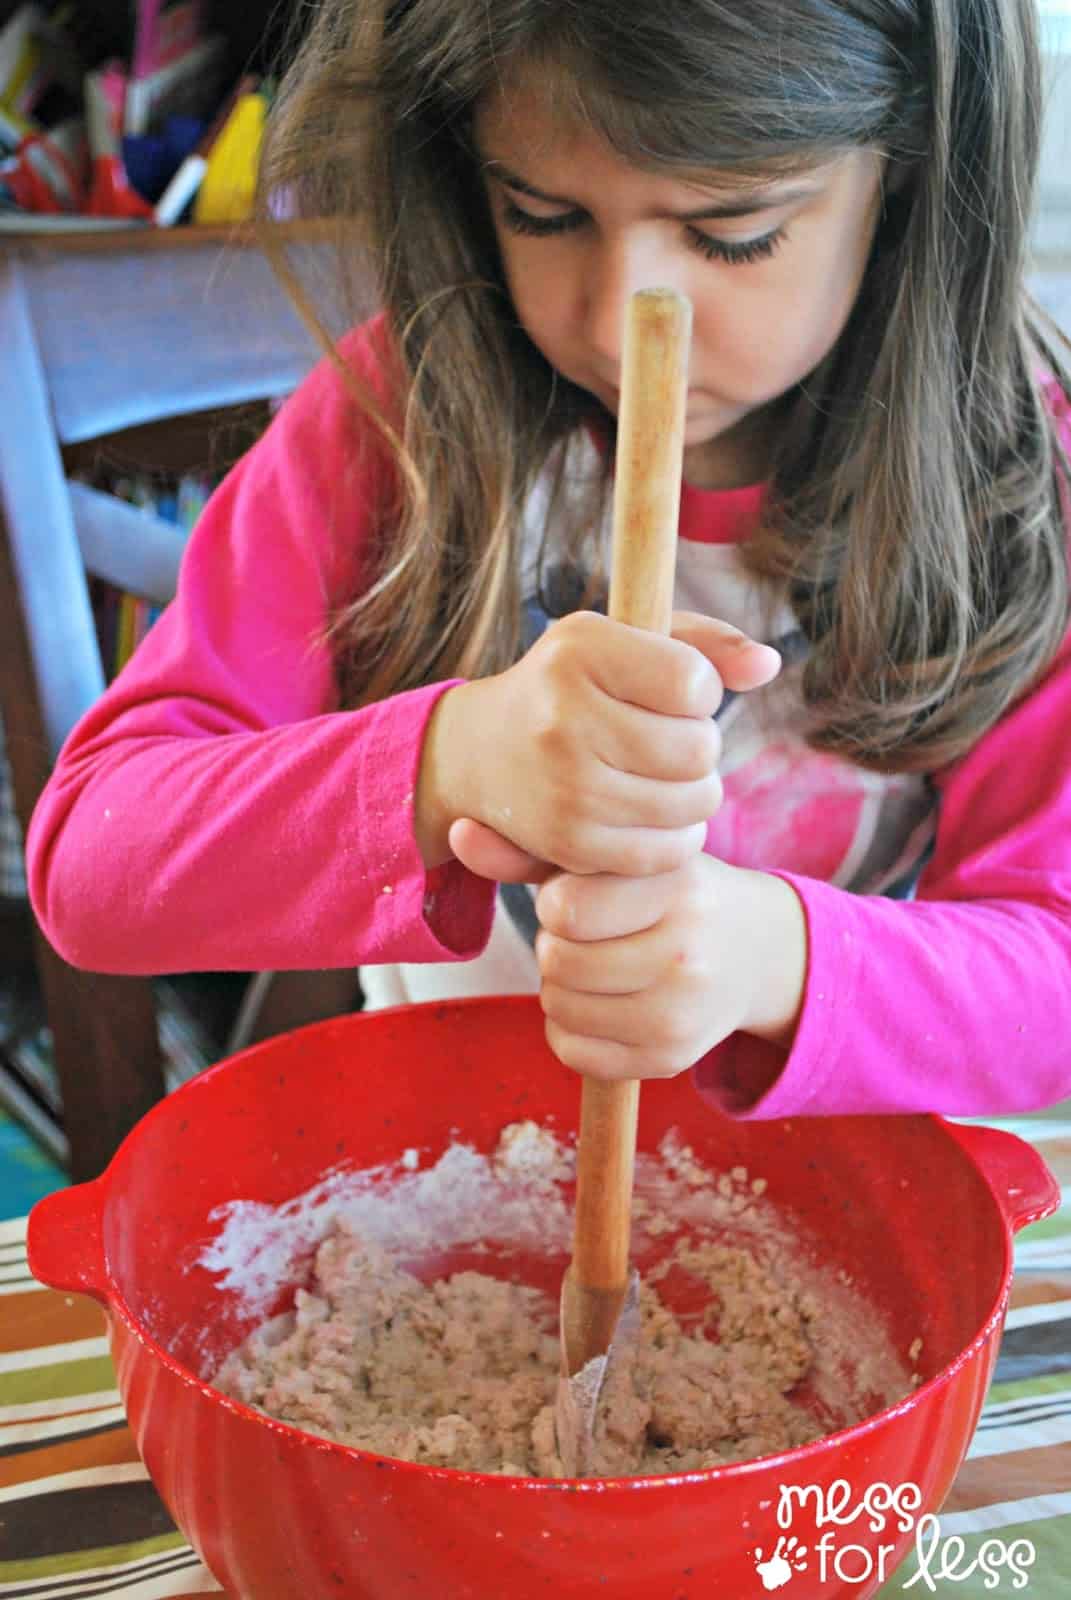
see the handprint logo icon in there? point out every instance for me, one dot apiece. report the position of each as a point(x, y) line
point(789, 1557)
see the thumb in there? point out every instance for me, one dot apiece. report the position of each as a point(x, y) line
point(740, 661)
point(489, 855)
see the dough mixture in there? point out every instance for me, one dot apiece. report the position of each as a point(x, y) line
point(462, 1370)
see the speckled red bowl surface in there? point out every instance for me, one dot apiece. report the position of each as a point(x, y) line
point(918, 1211)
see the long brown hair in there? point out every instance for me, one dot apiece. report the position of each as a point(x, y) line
point(914, 508)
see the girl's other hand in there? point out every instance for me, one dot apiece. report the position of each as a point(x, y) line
point(642, 976)
point(596, 752)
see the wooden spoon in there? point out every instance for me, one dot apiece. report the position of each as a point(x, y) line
point(600, 1296)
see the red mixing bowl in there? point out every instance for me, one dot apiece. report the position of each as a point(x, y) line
point(918, 1211)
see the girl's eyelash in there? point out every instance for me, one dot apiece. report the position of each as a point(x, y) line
point(524, 222)
point(736, 252)
point(731, 251)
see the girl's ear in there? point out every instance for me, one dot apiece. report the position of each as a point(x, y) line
point(897, 182)
point(897, 176)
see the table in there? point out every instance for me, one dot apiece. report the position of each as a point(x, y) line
point(79, 1517)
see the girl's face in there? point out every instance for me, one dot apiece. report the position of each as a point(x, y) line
point(772, 273)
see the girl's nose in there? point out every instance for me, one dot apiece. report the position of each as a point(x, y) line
point(614, 273)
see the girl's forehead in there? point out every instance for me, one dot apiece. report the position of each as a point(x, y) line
point(533, 119)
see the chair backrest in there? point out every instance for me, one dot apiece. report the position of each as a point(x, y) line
point(129, 545)
point(101, 335)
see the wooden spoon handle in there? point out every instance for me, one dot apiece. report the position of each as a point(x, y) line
point(647, 487)
point(650, 451)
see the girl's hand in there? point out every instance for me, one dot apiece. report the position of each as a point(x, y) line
point(642, 976)
point(594, 753)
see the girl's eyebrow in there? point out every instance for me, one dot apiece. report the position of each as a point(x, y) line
point(744, 205)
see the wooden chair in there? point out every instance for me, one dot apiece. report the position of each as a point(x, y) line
point(161, 349)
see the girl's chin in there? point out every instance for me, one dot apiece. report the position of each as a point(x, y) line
point(706, 420)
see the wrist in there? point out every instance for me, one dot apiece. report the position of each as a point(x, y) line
point(778, 949)
point(438, 799)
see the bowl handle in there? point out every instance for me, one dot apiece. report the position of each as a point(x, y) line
point(65, 1241)
point(1024, 1187)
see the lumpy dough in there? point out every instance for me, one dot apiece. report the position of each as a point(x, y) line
point(463, 1372)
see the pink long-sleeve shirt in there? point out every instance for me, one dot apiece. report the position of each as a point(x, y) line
point(215, 809)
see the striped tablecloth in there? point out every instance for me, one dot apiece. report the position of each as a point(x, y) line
point(79, 1517)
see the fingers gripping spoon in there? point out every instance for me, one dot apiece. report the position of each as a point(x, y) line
point(600, 1295)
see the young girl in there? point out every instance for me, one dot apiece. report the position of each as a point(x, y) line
point(385, 702)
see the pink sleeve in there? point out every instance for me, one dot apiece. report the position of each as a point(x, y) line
point(958, 1001)
point(214, 809)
